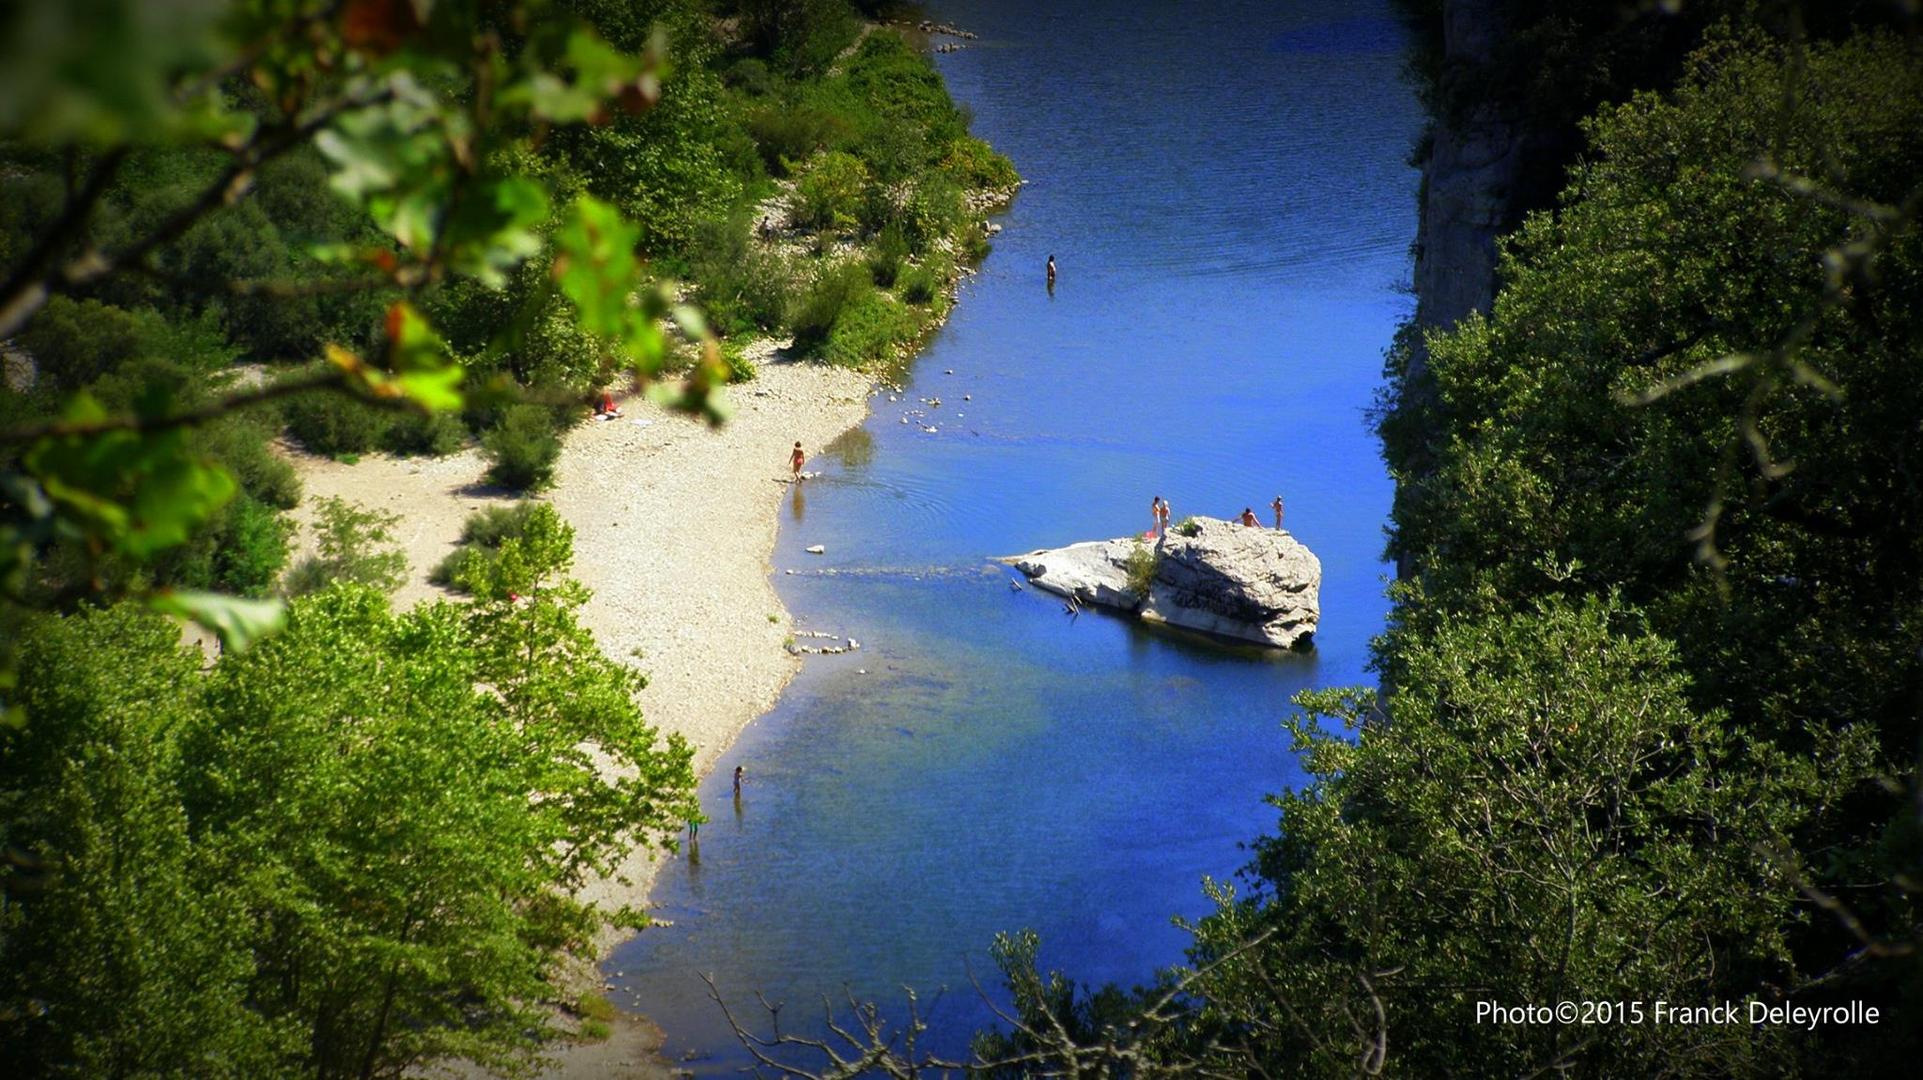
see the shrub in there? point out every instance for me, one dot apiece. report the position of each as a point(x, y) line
point(976, 164)
point(523, 449)
point(934, 212)
point(482, 534)
point(252, 547)
point(329, 422)
point(434, 434)
point(241, 444)
point(868, 330)
point(744, 287)
point(918, 285)
point(815, 314)
point(494, 525)
point(884, 263)
point(829, 195)
point(352, 544)
point(740, 368)
point(787, 134)
point(1140, 568)
point(1189, 526)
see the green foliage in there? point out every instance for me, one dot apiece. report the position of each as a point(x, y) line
point(482, 535)
point(870, 330)
point(1140, 568)
point(252, 551)
point(1189, 526)
point(433, 434)
point(243, 874)
point(329, 423)
point(817, 310)
point(351, 544)
point(118, 929)
point(1670, 255)
point(745, 287)
point(1545, 818)
point(918, 286)
point(978, 165)
point(829, 194)
point(885, 261)
point(523, 449)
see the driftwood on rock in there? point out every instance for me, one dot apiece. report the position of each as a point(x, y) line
point(1232, 581)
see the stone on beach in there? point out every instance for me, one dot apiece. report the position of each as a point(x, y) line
point(1231, 581)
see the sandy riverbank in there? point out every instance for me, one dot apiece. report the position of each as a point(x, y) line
point(674, 525)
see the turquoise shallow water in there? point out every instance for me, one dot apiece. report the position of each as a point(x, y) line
point(1224, 189)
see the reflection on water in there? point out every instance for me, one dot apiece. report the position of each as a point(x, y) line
point(854, 449)
point(1223, 187)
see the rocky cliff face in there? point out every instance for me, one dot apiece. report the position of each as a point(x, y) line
point(1471, 176)
point(1232, 581)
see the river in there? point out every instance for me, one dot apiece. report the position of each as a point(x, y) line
point(1225, 190)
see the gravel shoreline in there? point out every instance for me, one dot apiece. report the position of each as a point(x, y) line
point(675, 527)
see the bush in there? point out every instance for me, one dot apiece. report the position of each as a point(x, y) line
point(868, 330)
point(884, 263)
point(252, 547)
point(354, 544)
point(815, 314)
point(241, 444)
point(976, 164)
point(482, 534)
point(740, 368)
point(829, 196)
point(934, 211)
point(1189, 526)
point(523, 449)
point(789, 134)
point(330, 422)
point(744, 287)
point(1140, 567)
point(918, 285)
point(434, 434)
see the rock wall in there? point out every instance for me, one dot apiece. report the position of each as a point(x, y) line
point(1475, 161)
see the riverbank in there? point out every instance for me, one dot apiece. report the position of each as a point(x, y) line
point(675, 524)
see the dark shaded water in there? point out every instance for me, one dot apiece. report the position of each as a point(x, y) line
point(1223, 187)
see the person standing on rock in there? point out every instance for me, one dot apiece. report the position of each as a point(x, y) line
point(1277, 507)
point(1155, 516)
point(1161, 518)
point(795, 459)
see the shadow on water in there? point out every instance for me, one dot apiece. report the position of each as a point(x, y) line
point(1224, 189)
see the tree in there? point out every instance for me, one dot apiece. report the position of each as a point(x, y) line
point(421, 116)
point(351, 850)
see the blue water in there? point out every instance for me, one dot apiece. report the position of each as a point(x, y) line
point(1224, 189)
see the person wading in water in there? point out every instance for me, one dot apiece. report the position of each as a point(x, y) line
point(1051, 271)
point(795, 459)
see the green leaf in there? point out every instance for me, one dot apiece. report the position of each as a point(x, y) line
point(238, 621)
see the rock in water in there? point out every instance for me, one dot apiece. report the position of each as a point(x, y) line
point(1232, 581)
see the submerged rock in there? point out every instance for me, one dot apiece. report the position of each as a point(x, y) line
point(1232, 581)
